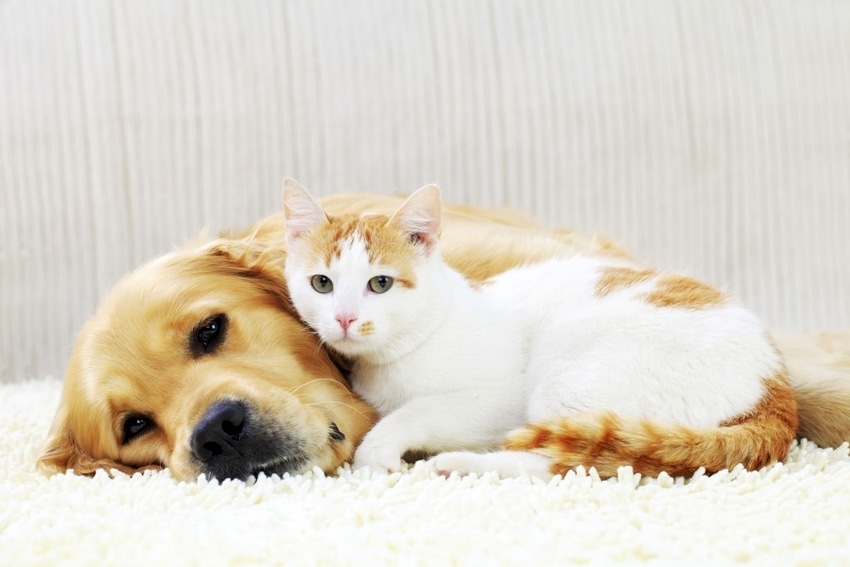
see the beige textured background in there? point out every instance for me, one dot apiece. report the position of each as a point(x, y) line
point(708, 135)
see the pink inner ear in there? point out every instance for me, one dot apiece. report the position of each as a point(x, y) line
point(301, 211)
point(420, 216)
point(425, 239)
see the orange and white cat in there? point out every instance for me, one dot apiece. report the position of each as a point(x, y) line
point(579, 361)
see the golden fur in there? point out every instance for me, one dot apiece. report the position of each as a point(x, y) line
point(132, 358)
point(819, 371)
point(136, 355)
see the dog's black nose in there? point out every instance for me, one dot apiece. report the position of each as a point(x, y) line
point(233, 440)
point(220, 432)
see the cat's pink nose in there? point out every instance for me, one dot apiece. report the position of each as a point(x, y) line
point(345, 321)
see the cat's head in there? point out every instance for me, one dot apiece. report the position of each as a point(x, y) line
point(361, 281)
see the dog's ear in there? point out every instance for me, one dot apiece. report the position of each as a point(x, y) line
point(61, 453)
point(79, 431)
point(259, 259)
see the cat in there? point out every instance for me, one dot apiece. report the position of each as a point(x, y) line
point(571, 361)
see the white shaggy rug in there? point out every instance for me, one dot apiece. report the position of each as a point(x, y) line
point(797, 512)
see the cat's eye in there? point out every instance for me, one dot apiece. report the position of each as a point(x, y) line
point(322, 284)
point(380, 284)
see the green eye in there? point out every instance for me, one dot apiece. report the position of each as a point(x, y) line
point(322, 284)
point(380, 284)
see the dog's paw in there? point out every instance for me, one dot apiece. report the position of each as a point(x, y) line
point(378, 459)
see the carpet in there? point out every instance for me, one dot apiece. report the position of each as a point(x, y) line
point(792, 513)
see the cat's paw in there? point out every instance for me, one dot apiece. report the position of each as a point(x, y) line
point(504, 463)
point(378, 459)
point(461, 462)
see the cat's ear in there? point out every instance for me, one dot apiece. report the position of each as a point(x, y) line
point(420, 216)
point(301, 211)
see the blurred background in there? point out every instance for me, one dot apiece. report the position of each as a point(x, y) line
point(711, 136)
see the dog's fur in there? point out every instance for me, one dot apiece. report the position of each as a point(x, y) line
point(145, 388)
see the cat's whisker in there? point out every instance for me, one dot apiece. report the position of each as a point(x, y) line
point(319, 345)
point(315, 380)
point(349, 406)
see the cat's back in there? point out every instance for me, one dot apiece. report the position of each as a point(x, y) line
point(534, 289)
point(585, 283)
point(584, 296)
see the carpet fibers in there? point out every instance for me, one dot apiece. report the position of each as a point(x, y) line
point(792, 513)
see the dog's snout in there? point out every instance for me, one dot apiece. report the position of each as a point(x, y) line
point(220, 431)
point(232, 440)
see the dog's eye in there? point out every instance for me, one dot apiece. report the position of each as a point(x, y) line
point(135, 425)
point(336, 434)
point(207, 336)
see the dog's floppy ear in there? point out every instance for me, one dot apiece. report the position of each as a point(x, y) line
point(78, 431)
point(61, 453)
point(259, 259)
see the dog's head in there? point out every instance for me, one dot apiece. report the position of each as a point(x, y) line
point(196, 362)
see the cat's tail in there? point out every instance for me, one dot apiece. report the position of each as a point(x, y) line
point(606, 441)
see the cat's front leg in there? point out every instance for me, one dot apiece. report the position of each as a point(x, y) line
point(378, 452)
point(431, 424)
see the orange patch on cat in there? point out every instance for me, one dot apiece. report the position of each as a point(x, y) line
point(366, 329)
point(685, 292)
point(327, 240)
point(603, 440)
point(670, 290)
point(384, 243)
point(387, 245)
point(612, 279)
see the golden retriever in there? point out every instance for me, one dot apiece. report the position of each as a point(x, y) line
point(196, 361)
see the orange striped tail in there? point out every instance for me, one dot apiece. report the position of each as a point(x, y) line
point(606, 441)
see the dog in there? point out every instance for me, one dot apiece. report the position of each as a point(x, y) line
point(197, 361)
